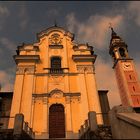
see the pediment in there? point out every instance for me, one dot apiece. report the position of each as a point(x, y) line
point(48, 31)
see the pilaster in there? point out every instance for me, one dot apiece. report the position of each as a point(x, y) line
point(18, 90)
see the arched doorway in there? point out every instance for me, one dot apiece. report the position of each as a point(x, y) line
point(56, 121)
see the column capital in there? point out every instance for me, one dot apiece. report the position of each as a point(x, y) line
point(86, 68)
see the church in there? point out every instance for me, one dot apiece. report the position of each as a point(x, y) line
point(55, 85)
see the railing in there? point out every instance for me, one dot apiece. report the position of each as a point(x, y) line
point(17, 125)
point(56, 70)
point(28, 130)
point(91, 130)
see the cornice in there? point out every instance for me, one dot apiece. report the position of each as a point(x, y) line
point(26, 58)
point(84, 58)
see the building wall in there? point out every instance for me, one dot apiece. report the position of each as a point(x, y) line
point(36, 89)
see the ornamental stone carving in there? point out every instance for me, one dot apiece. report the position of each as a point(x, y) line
point(56, 78)
point(75, 99)
point(30, 70)
point(68, 99)
point(27, 70)
point(56, 93)
point(86, 68)
point(45, 100)
point(55, 39)
point(20, 70)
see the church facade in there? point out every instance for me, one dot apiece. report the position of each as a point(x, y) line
point(55, 86)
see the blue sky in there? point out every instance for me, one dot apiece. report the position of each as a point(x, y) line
point(88, 20)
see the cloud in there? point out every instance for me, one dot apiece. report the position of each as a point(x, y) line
point(4, 13)
point(133, 10)
point(24, 18)
point(106, 80)
point(8, 44)
point(95, 29)
point(6, 81)
point(52, 12)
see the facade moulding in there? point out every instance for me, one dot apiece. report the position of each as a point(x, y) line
point(86, 68)
point(25, 69)
point(49, 74)
point(35, 95)
point(53, 29)
point(26, 58)
point(84, 58)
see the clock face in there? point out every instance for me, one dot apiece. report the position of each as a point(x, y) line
point(127, 66)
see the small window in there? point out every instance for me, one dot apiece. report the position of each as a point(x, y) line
point(130, 77)
point(137, 100)
point(133, 88)
point(56, 62)
point(122, 52)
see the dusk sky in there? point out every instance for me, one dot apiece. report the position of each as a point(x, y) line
point(88, 20)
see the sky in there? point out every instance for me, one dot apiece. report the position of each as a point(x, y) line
point(88, 20)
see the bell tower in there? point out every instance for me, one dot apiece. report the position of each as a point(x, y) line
point(126, 75)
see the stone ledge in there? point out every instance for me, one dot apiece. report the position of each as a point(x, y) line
point(132, 118)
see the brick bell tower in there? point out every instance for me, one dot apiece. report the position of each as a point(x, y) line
point(126, 75)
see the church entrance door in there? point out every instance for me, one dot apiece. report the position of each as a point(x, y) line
point(56, 121)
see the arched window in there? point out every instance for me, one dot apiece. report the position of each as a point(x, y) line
point(56, 62)
point(122, 52)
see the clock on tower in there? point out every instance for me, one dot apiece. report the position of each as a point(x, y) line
point(126, 75)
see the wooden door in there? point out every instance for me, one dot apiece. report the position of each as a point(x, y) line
point(56, 121)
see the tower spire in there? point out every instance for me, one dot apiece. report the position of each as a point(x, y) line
point(113, 33)
point(55, 23)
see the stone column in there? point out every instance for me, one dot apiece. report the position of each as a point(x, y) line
point(17, 94)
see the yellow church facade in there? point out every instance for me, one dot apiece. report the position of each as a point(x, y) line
point(55, 85)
